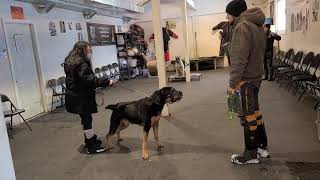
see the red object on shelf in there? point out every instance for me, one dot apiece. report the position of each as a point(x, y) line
point(167, 56)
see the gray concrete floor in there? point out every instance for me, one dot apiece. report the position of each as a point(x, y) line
point(198, 139)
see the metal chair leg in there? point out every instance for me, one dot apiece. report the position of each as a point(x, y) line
point(25, 122)
point(11, 123)
point(316, 106)
point(296, 89)
point(52, 102)
point(290, 85)
point(302, 94)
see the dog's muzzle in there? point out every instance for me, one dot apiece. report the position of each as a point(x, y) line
point(176, 96)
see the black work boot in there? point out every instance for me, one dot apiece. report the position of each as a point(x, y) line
point(262, 142)
point(249, 156)
point(93, 145)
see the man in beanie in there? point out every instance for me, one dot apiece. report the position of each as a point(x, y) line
point(246, 55)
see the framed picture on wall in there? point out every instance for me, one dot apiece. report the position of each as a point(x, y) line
point(78, 26)
point(80, 36)
point(70, 24)
point(101, 34)
point(52, 28)
point(62, 27)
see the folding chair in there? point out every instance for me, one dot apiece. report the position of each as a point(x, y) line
point(283, 62)
point(53, 84)
point(302, 69)
point(309, 76)
point(62, 83)
point(293, 65)
point(112, 70)
point(106, 72)
point(311, 84)
point(117, 71)
point(98, 72)
point(13, 111)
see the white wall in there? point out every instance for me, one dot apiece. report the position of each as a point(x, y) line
point(306, 41)
point(53, 50)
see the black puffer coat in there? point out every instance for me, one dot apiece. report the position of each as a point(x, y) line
point(80, 86)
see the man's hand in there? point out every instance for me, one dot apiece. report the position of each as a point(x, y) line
point(111, 82)
point(231, 90)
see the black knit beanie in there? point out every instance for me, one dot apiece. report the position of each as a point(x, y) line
point(236, 7)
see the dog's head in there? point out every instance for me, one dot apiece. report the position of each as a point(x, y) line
point(167, 95)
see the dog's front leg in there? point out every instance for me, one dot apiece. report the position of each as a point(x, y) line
point(145, 154)
point(156, 135)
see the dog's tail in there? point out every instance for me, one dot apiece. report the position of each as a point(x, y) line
point(112, 106)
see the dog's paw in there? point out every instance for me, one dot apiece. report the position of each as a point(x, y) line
point(120, 139)
point(145, 156)
point(160, 146)
point(109, 147)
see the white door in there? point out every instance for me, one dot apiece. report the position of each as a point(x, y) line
point(24, 69)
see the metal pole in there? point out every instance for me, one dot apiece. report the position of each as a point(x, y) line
point(158, 36)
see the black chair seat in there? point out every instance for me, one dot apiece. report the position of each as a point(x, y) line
point(59, 94)
point(13, 112)
point(303, 78)
point(280, 65)
point(286, 71)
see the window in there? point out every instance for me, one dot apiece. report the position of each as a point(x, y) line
point(281, 17)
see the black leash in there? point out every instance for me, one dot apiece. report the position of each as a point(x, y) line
point(100, 91)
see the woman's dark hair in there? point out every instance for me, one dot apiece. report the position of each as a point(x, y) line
point(79, 49)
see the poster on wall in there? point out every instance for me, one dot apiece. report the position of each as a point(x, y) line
point(171, 24)
point(315, 10)
point(292, 23)
point(78, 27)
point(307, 19)
point(80, 36)
point(17, 12)
point(62, 27)
point(101, 34)
point(70, 24)
point(52, 29)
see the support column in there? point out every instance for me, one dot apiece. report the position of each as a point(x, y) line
point(158, 37)
point(186, 40)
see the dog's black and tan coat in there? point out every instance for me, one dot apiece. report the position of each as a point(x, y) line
point(145, 112)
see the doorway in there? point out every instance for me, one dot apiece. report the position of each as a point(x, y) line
point(23, 67)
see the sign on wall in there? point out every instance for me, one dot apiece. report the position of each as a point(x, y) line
point(52, 28)
point(101, 34)
point(17, 12)
point(171, 24)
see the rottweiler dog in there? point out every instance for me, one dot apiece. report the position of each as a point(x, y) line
point(145, 112)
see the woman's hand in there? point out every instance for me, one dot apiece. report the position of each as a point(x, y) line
point(111, 82)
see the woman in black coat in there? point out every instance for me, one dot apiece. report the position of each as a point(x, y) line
point(80, 91)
